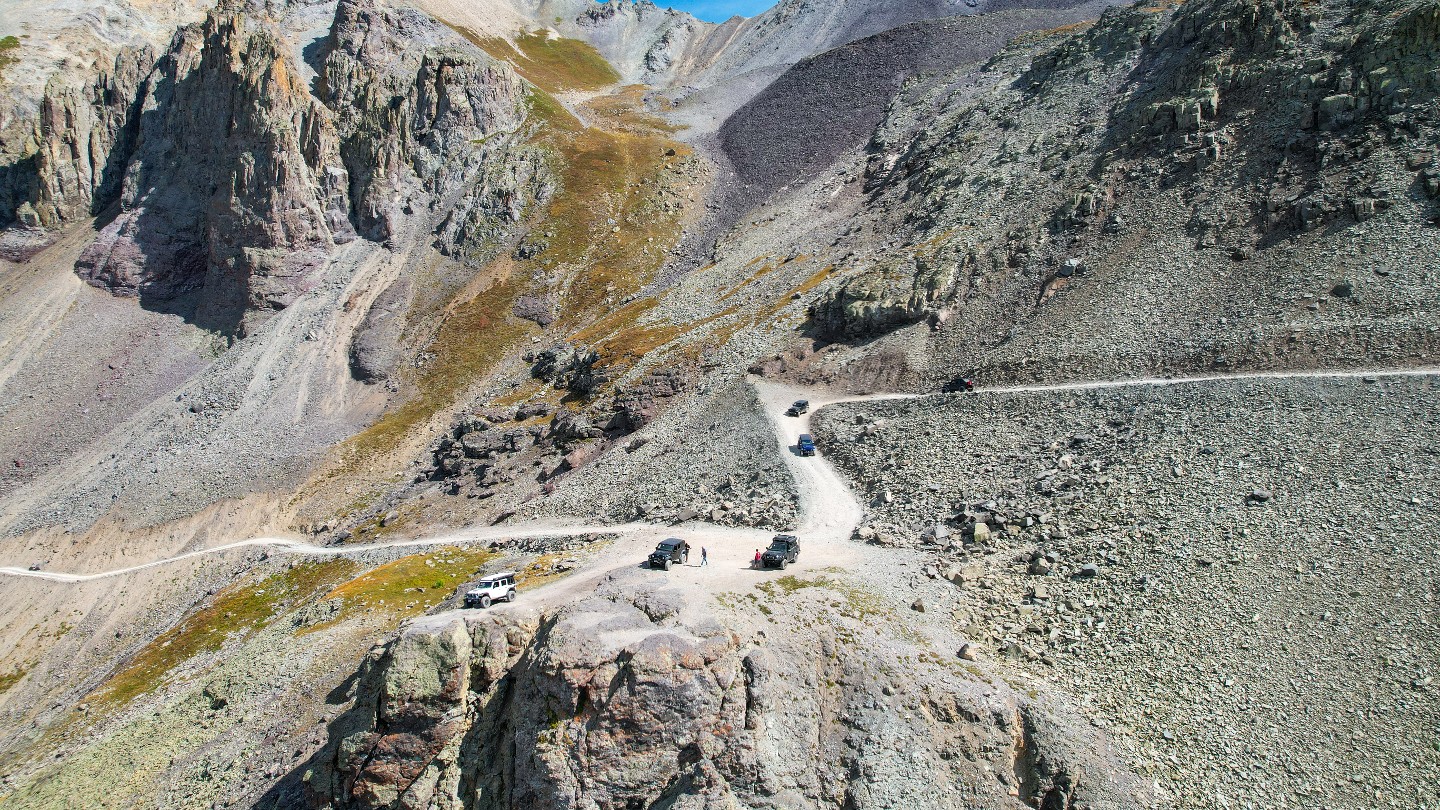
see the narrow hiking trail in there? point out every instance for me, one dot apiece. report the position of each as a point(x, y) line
point(828, 509)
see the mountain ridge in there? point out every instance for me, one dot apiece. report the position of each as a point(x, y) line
point(432, 290)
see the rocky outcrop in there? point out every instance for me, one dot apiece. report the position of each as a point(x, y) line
point(637, 404)
point(71, 162)
point(232, 210)
point(229, 180)
point(643, 41)
point(568, 368)
point(501, 445)
point(878, 301)
point(632, 698)
point(427, 121)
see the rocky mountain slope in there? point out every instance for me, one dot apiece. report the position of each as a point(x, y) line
point(420, 147)
point(1209, 564)
point(1209, 175)
point(433, 289)
point(817, 111)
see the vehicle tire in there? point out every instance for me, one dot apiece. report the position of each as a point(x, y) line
point(783, 562)
point(510, 597)
point(667, 565)
point(485, 601)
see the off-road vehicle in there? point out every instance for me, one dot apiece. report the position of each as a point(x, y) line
point(783, 550)
point(494, 588)
point(959, 385)
point(806, 444)
point(800, 406)
point(670, 551)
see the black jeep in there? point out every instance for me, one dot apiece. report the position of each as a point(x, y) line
point(783, 550)
point(670, 551)
point(801, 406)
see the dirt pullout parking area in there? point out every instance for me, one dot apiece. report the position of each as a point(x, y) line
point(1234, 576)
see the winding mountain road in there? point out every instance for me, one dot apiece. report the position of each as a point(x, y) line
point(829, 510)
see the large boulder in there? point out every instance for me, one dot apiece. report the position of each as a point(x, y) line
point(637, 404)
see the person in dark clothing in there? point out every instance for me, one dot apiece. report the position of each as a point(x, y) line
point(704, 557)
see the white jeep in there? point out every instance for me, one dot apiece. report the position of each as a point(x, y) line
point(494, 588)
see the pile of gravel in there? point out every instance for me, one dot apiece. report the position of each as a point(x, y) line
point(1235, 577)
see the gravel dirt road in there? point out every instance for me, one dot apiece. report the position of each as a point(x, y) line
point(829, 508)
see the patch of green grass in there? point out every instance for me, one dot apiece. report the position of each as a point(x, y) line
point(241, 608)
point(549, 112)
point(9, 679)
point(541, 572)
point(474, 336)
point(408, 586)
point(790, 583)
point(8, 47)
point(552, 64)
point(861, 604)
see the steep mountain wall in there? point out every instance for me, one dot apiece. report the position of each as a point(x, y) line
point(427, 129)
point(245, 192)
point(234, 190)
point(234, 181)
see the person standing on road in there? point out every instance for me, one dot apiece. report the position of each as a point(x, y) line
point(704, 557)
point(755, 563)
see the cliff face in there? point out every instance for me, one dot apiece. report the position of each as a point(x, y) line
point(234, 192)
point(637, 697)
point(73, 153)
point(427, 128)
point(224, 181)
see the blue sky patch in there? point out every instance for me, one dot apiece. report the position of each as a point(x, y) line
point(719, 10)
